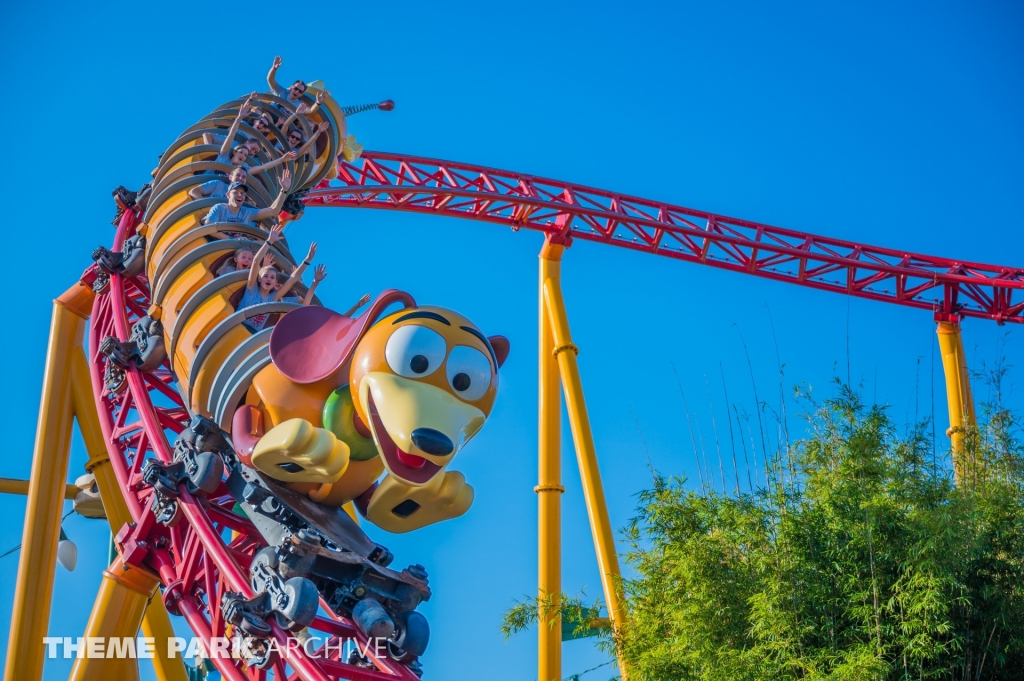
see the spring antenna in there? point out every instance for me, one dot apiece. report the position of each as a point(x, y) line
point(386, 105)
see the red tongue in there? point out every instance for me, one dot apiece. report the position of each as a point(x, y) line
point(411, 460)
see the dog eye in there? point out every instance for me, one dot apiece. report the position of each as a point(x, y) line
point(414, 351)
point(469, 372)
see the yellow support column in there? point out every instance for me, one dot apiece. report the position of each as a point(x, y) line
point(33, 591)
point(117, 613)
point(583, 439)
point(958, 391)
point(156, 623)
point(549, 488)
point(13, 486)
point(67, 395)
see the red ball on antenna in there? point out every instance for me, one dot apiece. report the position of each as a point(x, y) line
point(386, 105)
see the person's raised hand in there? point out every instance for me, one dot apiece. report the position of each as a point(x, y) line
point(320, 273)
point(302, 108)
point(321, 96)
point(286, 180)
point(291, 156)
point(247, 105)
point(364, 300)
point(312, 251)
point(268, 261)
point(277, 63)
point(323, 126)
point(275, 234)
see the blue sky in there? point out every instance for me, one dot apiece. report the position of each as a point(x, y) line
point(889, 123)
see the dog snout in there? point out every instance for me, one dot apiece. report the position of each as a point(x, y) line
point(432, 441)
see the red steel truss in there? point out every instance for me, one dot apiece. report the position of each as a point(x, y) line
point(951, 288)
point(209, 550)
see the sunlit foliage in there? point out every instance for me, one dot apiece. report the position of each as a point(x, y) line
point(861, 556)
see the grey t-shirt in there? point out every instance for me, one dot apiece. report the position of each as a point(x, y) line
point(283, 93)
point(226, 158)
point(222, 213)
point(226, 268)
point(255, 296)
point(214, 189)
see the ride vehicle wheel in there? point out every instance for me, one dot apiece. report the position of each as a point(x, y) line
point(208, 471)
point(413, 635)
point(303, 601)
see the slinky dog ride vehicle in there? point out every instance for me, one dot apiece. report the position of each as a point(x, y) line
point(314, 412)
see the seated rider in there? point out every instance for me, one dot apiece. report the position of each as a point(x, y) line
point(292, 94)
point(253, 147)
point(234, 212)
point(295, 140)
point(261, 124)
point(218, 189)
point(239, 154)
point(304, 110)
point(240, 261)
point(282, 269)
point(262, 285)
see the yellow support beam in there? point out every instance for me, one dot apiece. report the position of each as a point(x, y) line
point(586, 454)
point(958, 391)
point(117, 613)
point(15, 486)
point(33, 591)
point(549, 488)
point(156, 623)
point(67, 396)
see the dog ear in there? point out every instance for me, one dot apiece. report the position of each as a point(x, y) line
point(311, 343)
point(501, 347)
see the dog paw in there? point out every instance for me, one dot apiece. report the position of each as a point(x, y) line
point(297, 451)
point(397, 507)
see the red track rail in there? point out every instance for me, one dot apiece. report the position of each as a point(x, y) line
point(195, 560)
point(951, 288)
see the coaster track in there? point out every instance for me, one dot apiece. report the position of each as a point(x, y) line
point(195, 560)
point(949, 287)
point(210, 549)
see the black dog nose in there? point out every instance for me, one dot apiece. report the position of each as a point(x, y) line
point(432, 441)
